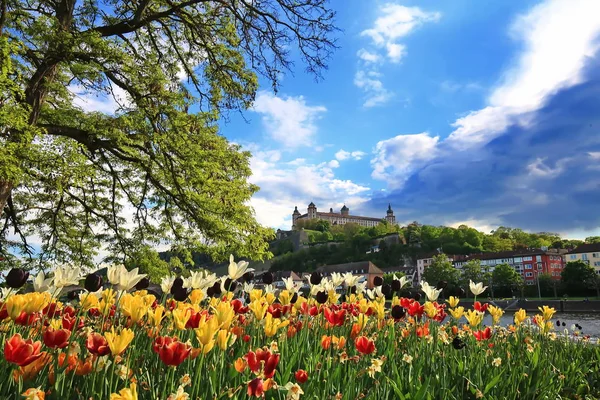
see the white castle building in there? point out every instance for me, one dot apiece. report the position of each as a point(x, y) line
point(341, 218)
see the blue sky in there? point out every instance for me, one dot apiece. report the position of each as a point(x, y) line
point(477, 112)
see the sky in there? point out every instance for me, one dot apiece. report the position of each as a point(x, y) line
point(466, 111)
point(478, 112)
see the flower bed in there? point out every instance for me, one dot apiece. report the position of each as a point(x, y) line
point(213, 338)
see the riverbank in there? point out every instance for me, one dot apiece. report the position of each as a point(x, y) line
point(564, 306)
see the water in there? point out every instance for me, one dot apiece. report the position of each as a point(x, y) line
point(589, 322)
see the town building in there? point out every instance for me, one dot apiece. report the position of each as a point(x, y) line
point(409, 272)
point(341, 218)
point(366, 269)
point(589, 253)
point(529, 262)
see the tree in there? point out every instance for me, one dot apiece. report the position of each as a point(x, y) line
point(547, 284)
point(155, 169)
point(441, 270)
point(506, 280)
point(575, 276)
point(592, 239)
point(472, 271)
point(322, 225)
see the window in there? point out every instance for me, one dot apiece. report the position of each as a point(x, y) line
point(584, 257)
point(518, 259)
point(539, 266)
point(596, 263)
point(538, 258)
point(528, 274)
point(573, 257)
point(528, 266)
point(595, 255)
point(530, 283)
point(527, 258)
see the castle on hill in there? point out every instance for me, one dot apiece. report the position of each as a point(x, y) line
point(341, 218)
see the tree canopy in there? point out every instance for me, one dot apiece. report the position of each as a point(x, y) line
point(155, 170)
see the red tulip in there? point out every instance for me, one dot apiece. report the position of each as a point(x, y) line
point(416, 309)
point(335, 318)
point(71, 322)
point(270, 365)
point(253, 363)
point(364, 345)
point(25, 319)
point(97, 344)
point(480, 307)
point(255, 387)
point(171, 351)
point(21, 352)
point(56, 338)
point(483, 335)
point(246, 338)
point(301, 376)
point(238, 306)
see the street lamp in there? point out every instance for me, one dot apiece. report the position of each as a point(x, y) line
point(537, 276)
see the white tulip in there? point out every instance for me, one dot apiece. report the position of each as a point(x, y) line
point(337, 279)
point(237, 270)
point(351, 280)
point(290, 285)
point(361, 287)
point(403, 281)
point(248, 287)
point(66, 276)
point(374, 293)
point(431, 292)
point(4, 292)
point(477, 289)
point(40, 283)
point(167, 283)
point(123, 279)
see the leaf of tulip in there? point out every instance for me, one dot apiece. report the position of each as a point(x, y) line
point(492, 383)
point(397, 390)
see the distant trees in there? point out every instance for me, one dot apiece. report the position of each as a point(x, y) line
point(505, 280)
point(441, 270)
point(576, 277)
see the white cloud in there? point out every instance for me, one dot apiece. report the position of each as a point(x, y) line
point(558, 37)
point(395, 22)
point(396, 158)
point(369, 82)
point(284, 185)
point(342, 155)
point(91, 101)
point(289, 120)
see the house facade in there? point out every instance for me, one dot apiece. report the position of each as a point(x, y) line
point(588, 253)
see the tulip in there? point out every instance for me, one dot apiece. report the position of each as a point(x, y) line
point(496, 313)
point(270, 365)
point(483, 335)
point(248, 277)
point(520, 316)
point(273, 324)
point(21, 352)
point(171, 351)
point(377, 281)
point(453, 301)
point(364, 345)
point(97, 344)
point(301, 376)
point(225, 339)
point(237, 270)
point(431, 292)
point(457, 312)
point(66, 276)
point(224, 313)
point(56, 338)
point(255, 388)
point(123, 279)
point(267, 278)
point(16, 278)
point(474, 317)
point(480, 307)
point(40, 283)
point(205, 333)
point(398, 312)
point(547, 312)
point(322, 297)
point(129, 393)
point(142, 284)
point(315, 278)
point(93, 282)
point(457, 343)
point(477, 289)
point(335, 318)
point(119, 342)
point(181, 316)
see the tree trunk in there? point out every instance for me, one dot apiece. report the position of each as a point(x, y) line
point(5, 189)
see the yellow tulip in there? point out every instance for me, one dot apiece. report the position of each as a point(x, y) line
point(362, 320)
point(225, 339)
point(224, 314)
point(156, 316)
point(496, 313)
point(256, 294)
point(205, 333)
point(285, 297)
point(118, 342)
point(457, 312)
point(196, 296)
point(133, 307)
point(109, 296)
point(270, 297)
point(430, 309)
point(273, 324)
point(129, 393)
point(36, 302)
point(453, 301)
point(547, 312)
point(259, 309)
point(333, 297)
point(474, 317)
point(363, 305)
point(181, 316)
point(87, 301)
point(520, 316)
point(15, 305)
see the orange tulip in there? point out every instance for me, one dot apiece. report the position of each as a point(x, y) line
point(56, 338)
point(364, 345)
point(21, 352)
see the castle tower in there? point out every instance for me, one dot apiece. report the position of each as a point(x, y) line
point(295, 217)
point(390, 215)
point(312, 211)
point(345, 211)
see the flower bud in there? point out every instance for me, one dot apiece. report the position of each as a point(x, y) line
point(248, 276)
point(93, 282)
point(16, 278)
point(378, 281)
point(267, 278)
point(396, 285)
point(398, 312)
point(315, 278)
point(321, 297)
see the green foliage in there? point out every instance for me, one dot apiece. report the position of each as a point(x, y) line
point(575, 277)
point(388, 278)
point(156, 170)
point(472, 271)
point(506, 280)
point(441, 270)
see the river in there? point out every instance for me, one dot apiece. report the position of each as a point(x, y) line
point(589, 322)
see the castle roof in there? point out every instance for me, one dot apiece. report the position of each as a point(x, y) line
point(345, 208)
point(311, 204)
